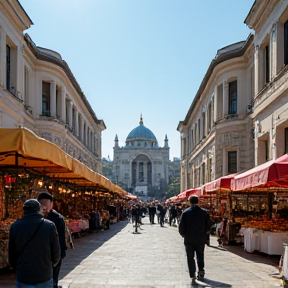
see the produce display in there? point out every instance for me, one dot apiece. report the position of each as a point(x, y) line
point(274, 225)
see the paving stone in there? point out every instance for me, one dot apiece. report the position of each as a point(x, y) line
point(155, 258)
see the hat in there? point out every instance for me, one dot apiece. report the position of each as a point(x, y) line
point(31, 205)
point(45, 195)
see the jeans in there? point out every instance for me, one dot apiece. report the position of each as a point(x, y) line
point(47, 284)
point(190, 252)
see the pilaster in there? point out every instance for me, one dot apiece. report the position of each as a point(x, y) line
point(53, 99)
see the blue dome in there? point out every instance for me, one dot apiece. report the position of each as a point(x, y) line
point(141, 132)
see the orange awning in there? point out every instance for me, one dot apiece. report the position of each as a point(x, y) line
point(21, 148)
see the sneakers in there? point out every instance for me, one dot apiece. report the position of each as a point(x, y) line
point(201, 274)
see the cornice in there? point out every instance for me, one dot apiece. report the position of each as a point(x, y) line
point(239, 52)
point(40, 54)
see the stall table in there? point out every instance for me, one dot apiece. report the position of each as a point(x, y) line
point(267, 242)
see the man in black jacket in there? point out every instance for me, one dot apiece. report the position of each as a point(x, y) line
point(33, 247)
point(46, 201)
point(194, 226)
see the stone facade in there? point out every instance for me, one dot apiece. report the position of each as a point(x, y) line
point(39, 91)
point(141, 166)
point(250, 118)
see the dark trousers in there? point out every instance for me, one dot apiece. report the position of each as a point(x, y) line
point(151, 218)
point(56, 271)
point(162, 220)
point(190, 252)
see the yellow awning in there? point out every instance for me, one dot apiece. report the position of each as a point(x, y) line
point(21, 148)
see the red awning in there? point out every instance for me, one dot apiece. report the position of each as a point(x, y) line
point(185, 195)
point(222, 183)
point(263, 176)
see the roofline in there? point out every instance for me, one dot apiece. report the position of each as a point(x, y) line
point(25, 12)
point(214, 63)
point(40, 55)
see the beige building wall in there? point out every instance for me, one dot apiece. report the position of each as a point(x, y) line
point(216, 135)
point(270, 103)
point(31, 74)
point(258, 132)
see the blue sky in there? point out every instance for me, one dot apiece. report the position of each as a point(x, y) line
point(138, 56)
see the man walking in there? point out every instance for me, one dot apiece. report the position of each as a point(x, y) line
point(194, 226)
point(46, 201)
point(33, 248)
point(152, 212)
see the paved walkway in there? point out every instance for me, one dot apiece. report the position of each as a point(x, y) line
point(155, 257)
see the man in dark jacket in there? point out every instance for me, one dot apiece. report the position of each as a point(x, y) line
point(194, 226)
point(33, 247)
point(46, 201)
point(152, 212)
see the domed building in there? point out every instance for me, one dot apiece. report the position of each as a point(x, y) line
point(141, 166)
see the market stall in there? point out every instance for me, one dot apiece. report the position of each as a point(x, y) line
point(185, 195)
point(259, 200)
point(217, 192)
point(29, 164)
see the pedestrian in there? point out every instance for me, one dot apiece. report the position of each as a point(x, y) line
point(162, 212)
point(152, 212)
point(194, 226)
point(172, 215)
point(33, 248)
point(46, 201)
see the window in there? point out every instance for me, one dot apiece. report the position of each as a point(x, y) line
point(73, 120)
point(232, 97)
point(204, 125)
point(267, 66)
point(266, 150)
point(232, 162)
point(141, 171)
point(8, 67)
point(286, 140)
point(45, 99)
point(286, 43)
point(203, 174)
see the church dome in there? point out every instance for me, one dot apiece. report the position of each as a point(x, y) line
point(141, 132)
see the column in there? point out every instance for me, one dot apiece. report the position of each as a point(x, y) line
point(76, 123)
point(225, 98)
point(63, 105)
point(273, 50)
point(81, 129)
point(53, 99)
point(70, 107)
point(256, 131)
point(215, 118)
point(256, 67)
point(2, 57)
point(19, 86)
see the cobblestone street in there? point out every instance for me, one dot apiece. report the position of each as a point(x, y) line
point(155, 257)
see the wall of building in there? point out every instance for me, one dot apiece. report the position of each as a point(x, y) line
point(69, 121)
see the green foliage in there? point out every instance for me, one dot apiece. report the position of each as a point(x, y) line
point(173, 188)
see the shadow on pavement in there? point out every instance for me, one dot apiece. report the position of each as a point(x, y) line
point(256, 256)
point(238, 249)
point(86, 245)
point(211, 283)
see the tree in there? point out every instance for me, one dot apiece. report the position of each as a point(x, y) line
point(173, 188)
